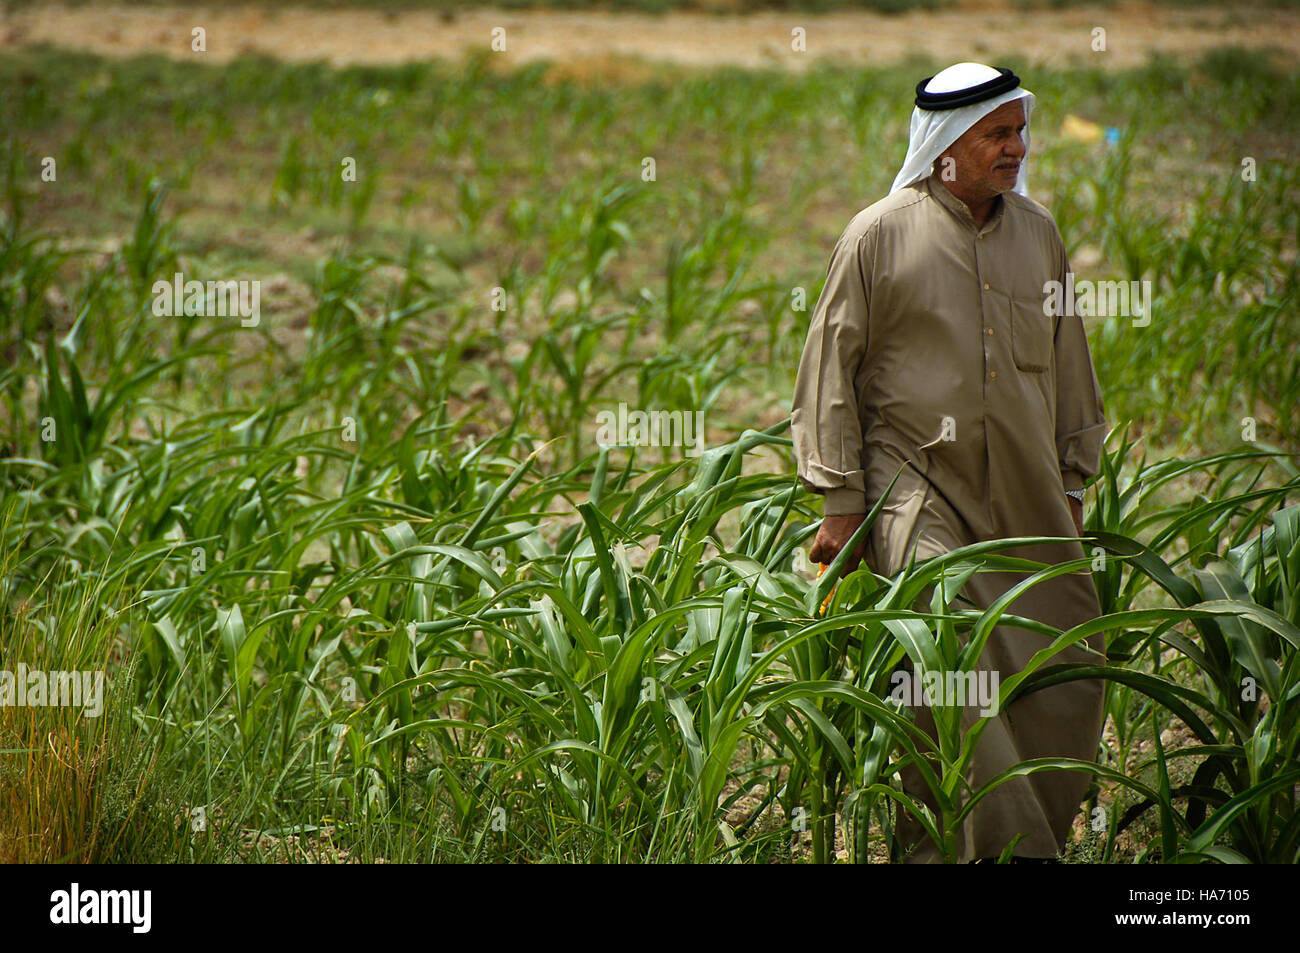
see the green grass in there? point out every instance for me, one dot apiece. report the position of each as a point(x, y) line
point(365, 586)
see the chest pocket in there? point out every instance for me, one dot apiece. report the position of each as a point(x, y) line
point(1031, 335)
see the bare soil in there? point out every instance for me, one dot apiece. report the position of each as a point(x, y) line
point(976, 30)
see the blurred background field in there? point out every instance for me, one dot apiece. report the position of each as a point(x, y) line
point(1055, 34)
point(363, 578)
point(711, 6)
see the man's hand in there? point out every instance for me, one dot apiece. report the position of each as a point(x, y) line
point(834, 534)
point(1076, 510)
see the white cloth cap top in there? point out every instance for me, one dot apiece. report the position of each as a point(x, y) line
point(933, 131)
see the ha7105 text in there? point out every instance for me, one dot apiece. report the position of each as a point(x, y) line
point(1202, 895)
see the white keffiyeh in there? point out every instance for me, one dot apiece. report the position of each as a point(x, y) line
point(933, 131)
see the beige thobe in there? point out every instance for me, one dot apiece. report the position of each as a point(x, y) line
point(930, 346)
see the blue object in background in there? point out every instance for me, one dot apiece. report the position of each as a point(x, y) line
point(1112, 135)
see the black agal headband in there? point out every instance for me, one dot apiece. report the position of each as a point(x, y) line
point(965, 97)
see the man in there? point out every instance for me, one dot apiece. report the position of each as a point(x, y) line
point(931, 349)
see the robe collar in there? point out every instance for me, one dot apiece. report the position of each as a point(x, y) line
point(934, 184)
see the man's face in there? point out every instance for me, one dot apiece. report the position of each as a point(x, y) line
point(987, 157)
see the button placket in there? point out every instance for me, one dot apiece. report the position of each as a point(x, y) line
point(985, 314)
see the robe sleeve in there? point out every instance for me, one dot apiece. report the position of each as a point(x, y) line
point(825, 422)
point(1081, 423)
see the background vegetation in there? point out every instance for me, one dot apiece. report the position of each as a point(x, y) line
point(366, 587)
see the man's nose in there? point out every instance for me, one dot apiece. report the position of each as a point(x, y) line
point(1015, 148)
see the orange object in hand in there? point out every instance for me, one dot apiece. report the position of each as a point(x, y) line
point(821, 568)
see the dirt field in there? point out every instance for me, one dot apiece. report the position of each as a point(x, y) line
point(977, 31)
